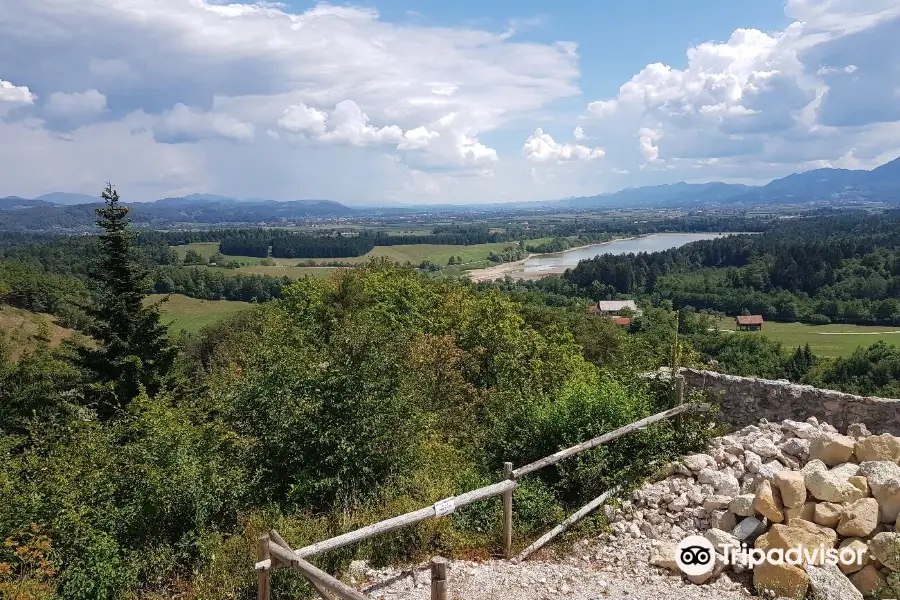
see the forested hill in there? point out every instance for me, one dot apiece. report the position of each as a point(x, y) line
point(838, 268)
point(39, 215)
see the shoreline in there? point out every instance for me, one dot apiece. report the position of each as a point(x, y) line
point(518, 267)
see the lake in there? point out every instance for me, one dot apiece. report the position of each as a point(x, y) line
point(544, 264)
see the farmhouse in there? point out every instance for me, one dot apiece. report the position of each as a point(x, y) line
point(614, 308)
point(749, 322)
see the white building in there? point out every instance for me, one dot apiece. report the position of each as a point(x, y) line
point(614, 308)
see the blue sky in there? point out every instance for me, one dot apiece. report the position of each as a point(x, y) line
point(393, 102)
point(616, 39)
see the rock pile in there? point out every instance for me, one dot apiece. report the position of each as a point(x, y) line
point(781, 486)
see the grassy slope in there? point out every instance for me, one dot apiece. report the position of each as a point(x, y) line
point(181, 312)
point(825, 340)
point(23, 330)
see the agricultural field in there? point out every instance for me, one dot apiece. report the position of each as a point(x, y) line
point(441, 253)
point(830, 341)
point(207, 249)
point(191, 314)
point(473, 257)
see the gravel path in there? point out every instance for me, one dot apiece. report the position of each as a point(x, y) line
point(592, 570)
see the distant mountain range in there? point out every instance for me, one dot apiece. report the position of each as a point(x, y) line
point(61, 210)
point(838, 186)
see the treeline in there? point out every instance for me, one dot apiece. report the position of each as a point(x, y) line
point(448, 234)
point(832, 268)
point(245, 243)
point(631, 225)
point(310, 246)
point(208, 284)
point(560, 244)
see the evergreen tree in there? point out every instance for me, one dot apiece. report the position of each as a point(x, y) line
point(799, 364)
point(133, 350)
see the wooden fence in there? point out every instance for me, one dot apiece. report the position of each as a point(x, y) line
point(274, 551)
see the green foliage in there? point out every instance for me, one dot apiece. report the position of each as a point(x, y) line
point(508, 254)
point(871, 371)
point(352, 399)
point(134, 352)
point(192, 257)
point(158, 476)
point(34, 387)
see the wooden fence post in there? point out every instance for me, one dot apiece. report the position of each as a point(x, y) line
point(263, 576)
point(438, 578)
point(679, 397)
point(507, 512)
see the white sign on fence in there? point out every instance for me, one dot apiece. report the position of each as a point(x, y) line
point(442, 508)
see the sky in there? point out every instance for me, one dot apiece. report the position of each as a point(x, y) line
point(400, 102)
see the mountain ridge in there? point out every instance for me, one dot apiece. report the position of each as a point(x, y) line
point(846, 186)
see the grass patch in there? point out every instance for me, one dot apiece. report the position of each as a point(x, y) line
point(23, 331)
point(192, 314)
point(473, 257)
point(831, 341)
point(207, 249)
point(288, 270)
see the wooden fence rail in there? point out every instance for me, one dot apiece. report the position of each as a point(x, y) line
point(274, 551)
point(438, 509)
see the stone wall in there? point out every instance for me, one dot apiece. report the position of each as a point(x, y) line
point(744, 401)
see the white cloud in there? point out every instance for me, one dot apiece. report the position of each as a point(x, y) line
point(769, 103)
point(540, 147)
point(418, 138)
point(15, 94)
point(183, 124)
point(729, 80)
point(603, 108)
point(240, 65)
point(647, 143)
point(351, 125)
point(579, 133)
point(79, 104)
point(473, 152)
point(301, 118)
point(348, 124)
point(849, 69)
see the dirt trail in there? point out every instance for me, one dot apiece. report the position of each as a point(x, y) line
point(593, 570)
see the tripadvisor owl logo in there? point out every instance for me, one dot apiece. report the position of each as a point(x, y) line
point(695, 555)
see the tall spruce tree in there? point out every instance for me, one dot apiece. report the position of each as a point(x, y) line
point(133, 350)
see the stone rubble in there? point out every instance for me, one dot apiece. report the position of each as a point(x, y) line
point(780, 486)
point(771, 485)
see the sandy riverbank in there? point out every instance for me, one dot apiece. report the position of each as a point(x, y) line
point(516, 269)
